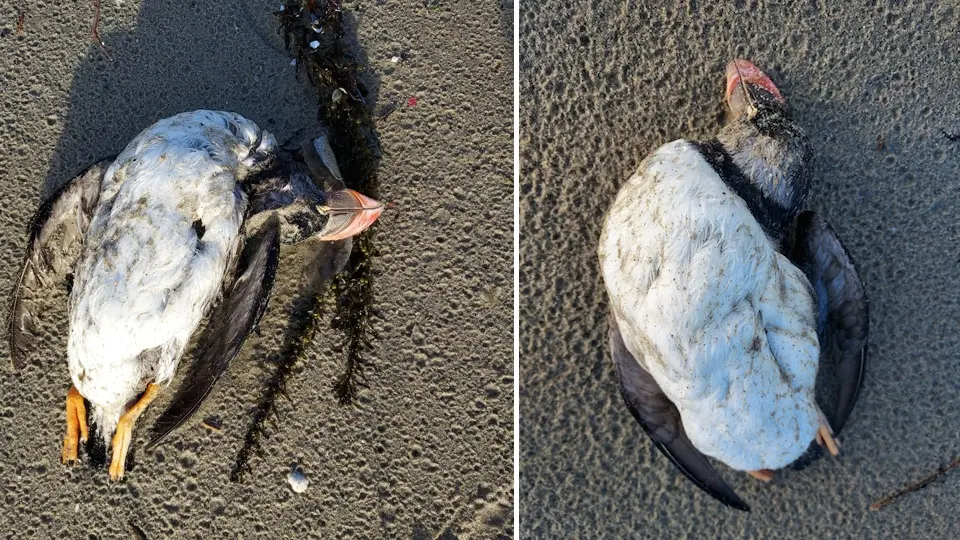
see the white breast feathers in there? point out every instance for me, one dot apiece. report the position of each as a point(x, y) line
point(723, 322)
point(164, 233)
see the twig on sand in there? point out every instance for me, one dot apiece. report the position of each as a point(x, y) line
point(922, 483)
point(95, 30)
point(20, 17)
point(138, 533)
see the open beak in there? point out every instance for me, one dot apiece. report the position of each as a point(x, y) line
point(350, 213)
point(740, 74)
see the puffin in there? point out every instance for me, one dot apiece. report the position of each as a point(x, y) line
point(725, 296)
point(185, 223)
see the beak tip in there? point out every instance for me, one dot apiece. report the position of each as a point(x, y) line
point(739, 69)
point(363, 211)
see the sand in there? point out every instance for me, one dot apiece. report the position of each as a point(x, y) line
point(605, 84)
point(428, 451)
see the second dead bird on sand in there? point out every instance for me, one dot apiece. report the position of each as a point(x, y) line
point(718, 323)
point(195, 206)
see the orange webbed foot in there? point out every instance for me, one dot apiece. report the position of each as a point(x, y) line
point(77, 431)
point(124, 433)
point(764, 475)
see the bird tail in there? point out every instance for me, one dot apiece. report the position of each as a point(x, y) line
point(102, 422)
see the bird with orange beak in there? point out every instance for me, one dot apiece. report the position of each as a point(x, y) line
point(725, 297)
point(187, 221)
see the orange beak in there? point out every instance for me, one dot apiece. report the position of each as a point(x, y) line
point(740, 70)
point(351, 213)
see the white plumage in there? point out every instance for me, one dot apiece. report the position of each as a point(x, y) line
point(145, 280)
point(721, 320)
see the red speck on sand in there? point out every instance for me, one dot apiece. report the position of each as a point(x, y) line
point(412, 101)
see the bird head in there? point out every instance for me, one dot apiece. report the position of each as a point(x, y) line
point(766, 144)
point(303, 186)
point(750, 90)
point(348, 212)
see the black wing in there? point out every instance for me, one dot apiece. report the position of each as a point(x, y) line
point(660, 419)
point(230, 324)
point(843, 316)
point(57, 231)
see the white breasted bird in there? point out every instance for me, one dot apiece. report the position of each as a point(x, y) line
point(189, 218)
point(724, 297)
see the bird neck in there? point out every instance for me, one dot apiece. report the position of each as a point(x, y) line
point(770, 212)
point(281, 185)
point(765, 159)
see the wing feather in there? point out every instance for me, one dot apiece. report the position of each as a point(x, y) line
point(230, 324)
point(660, 419)
point(842, 297)
point(57, 233)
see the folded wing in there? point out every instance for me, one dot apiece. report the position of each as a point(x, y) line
point(661, 421)
point(843, 318)
point(56, 237)
point(230, 324)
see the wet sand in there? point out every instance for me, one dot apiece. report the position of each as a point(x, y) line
point(429, 450)
point(604, 85)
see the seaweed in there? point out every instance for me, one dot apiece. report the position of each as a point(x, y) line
point(315, 32)
point(274, 388)
point(353, 291)
point(95, 30)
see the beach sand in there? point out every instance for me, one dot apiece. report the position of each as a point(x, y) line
point(429, 450)
point(604, 85)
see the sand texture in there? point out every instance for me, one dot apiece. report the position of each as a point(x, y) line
point(605, 84)
point(428, 450)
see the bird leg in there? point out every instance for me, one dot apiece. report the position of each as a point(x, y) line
point(825, 435)
point(76, 425)
point(824, 438)
point(124, 433)
point(764, 475)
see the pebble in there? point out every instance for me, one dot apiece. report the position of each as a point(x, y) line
point(298, 481)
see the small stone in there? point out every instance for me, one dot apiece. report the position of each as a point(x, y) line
point(314, 44)
point(395, 59)
point(282, 7)
point(293, 62)
point(297, 480)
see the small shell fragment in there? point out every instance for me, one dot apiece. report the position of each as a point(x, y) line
point(314, 44)
point(297, 480)
point(395, 59)
point(213, 423)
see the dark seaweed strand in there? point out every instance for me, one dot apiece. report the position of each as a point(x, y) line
point(276, 387)
point(353, 291)
point(330, 67)
point(915, 486)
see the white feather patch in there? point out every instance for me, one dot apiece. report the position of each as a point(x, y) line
point(145, 280)
point(723, 322)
